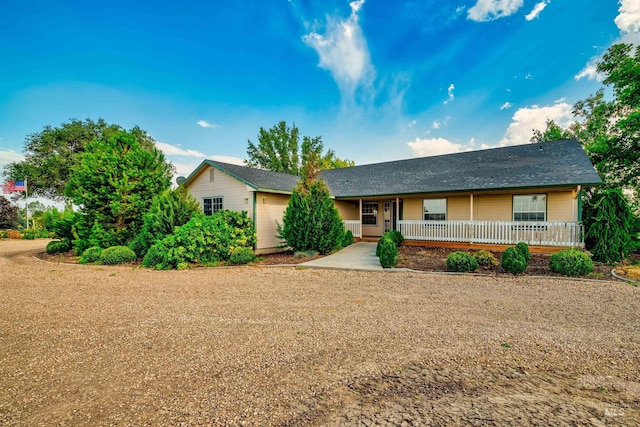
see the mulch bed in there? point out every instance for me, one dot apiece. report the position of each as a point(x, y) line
point(411, 257)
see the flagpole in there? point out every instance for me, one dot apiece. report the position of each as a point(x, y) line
point(26, 201)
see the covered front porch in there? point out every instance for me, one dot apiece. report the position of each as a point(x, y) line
point(543, 217)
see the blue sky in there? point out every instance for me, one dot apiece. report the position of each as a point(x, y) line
point(378, 80)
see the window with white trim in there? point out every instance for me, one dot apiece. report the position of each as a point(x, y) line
point(211, 205)
point(434, 209)
point(369, 213)
point(530, 207)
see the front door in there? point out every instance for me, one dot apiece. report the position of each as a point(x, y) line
point(389, 216)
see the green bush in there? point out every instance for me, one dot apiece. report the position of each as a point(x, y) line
point(348, 239)
point(169, 210)
point(388, 252)
point(462, 262)
point(608, 223)
point(513, 261)
point(58, 246)
point(3, 234)
point(485, 258)
point(571, 262)
point(311, 220)
point(91, 255)
point(523, 248)
point(117, 255)
point(396, 236)
point(29, 234)
point(202, 240)
point(242, 255)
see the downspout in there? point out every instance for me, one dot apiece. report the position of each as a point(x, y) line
point(255, 224)
point(579, 196)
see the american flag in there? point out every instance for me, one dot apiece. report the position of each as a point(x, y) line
point(14, 186)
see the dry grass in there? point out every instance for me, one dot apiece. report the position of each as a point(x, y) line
point(98, 345)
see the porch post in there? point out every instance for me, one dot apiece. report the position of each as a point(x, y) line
point(471, 207)
point(395, 226)
point(360, 217)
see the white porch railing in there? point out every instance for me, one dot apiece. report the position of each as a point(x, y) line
point(354, 226)
point(495, 232)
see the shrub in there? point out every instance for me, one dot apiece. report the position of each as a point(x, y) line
point(608, 222)
point(523, 248)
point(14, 234)
point(91, 255)
point(513, 261)
point(117, 255)
point(203, 240)
point(242, 255)
point(396, 236)
point(311, 220)
point(571, 262)
point(461, 262)
point(485, 258)
point(348, 239)
point(29, 234)
point(388, 252)
point(58, 246)
point(3, 234)
point(169, 210)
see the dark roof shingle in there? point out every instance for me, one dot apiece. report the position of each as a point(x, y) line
point(549, 164)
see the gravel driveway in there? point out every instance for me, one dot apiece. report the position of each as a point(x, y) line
point(98, 345)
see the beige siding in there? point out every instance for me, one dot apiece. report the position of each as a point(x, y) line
point(561, 206)
point(412, 209)
point(492, 207)
point(236, 196)
point(348, 210)
point(458, 208)
point(269, 209)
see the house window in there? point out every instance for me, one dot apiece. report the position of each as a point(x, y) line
point(211, 205)
point(369, 213)
point(530, 207)
point(434, 209)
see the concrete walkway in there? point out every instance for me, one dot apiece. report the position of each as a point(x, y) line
point(358, 256)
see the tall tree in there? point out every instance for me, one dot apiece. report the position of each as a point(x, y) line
point(279, 150)
point(8, 213)
point(114, 182)
point(552, 132)
point(50, 154)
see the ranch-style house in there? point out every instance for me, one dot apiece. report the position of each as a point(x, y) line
point(498, 196)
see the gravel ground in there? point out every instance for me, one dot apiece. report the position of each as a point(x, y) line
point(97, 345)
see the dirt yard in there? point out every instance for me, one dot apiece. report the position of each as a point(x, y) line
point(258, 345)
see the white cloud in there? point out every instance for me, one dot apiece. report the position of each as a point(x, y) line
point(589, 71)
point(435, 124)
point(525, 120)
point(628, 20)
point(488, 10)
point(343, 51)
point(460, 8)
point(9, 156)
point(528, 76)
point(174, 150)
point(433, 147)
point(450, 90)
point(505, 106)
point(539, 7)
point(205, 124)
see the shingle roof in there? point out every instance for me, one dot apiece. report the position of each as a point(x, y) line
point(549, 164)
point(259, 179)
